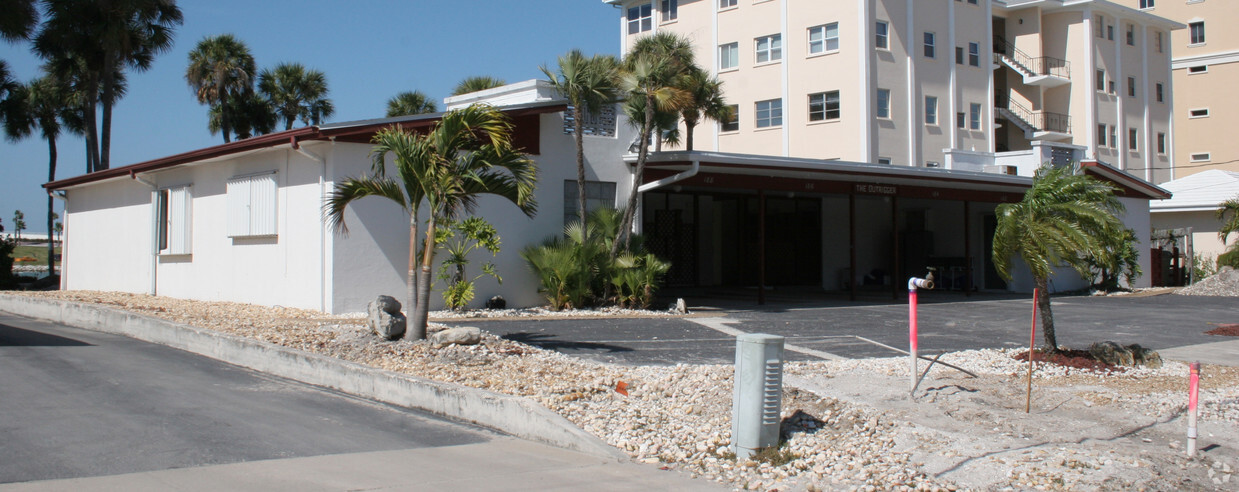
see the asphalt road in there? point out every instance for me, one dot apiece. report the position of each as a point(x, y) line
point(947, 322)
point(76, 403)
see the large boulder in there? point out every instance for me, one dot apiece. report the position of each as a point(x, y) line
point(385, 319)
point(465, 335)
point(1128, 356)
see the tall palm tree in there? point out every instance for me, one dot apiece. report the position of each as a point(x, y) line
point(42, 105)
point(1063, 219)
point(103, 39)
point(477, 83)
point(296, 93)
point(706, 100)
point(249, 114)
point(221, 67)
point(467, 154)
point(410, 102)
point(19, 19)
point(588, 83)
point(650, 73)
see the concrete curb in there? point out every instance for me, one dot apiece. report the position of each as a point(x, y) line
point(514, 415)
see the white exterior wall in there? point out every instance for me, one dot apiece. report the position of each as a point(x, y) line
point(107, 238)
point(1137, 218)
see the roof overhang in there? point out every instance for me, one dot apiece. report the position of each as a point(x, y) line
point(1079, 6)
point(1129, 185)
point(360, 131)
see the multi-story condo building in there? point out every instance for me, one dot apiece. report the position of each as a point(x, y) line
point(1206, 68)
point(959, 84)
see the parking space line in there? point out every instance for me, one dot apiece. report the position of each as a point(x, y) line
point(720, 325)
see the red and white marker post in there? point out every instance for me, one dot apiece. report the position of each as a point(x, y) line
point(1192, 390)
point(913, 284)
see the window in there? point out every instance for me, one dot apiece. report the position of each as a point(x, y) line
point(884, 103)
point(1197, 30)
point(769, 48)
point(1198, 69)
point(729, 56)
point(1132, 143)
point(824, 106)
point(1101, 136)
point(1114, 137)
point(1161, 143)
point(733, 124)
point(885, 161)
point(598, 194)
point(769, 113)
point(1161, 92)
point(1110, 32)
point(881, 33)
point(1198, 113)
point(174, 228)
point(601, 124)
point(252, 205)
point(726, 4)
point(1159, 43)
point(931, 110)
point(1200, 157)
point(975, 112)
point(1131, 87)
point(1101, 26)
point(959, 54)
point(1146, 4)
point(961, 120)
point(670, 10)
point(1101, 80)
point(974, 54)
point(1110, 88)
point(1131, 35)
point(824, 39)
point(640, 18)
point(929, 45)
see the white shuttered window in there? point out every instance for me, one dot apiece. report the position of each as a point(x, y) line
point(175, 237)
point(252, 206)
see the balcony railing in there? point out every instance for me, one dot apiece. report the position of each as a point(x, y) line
point(1043, 65)
point(1043, 121)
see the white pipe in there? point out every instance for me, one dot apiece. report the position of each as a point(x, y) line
point(154, 232)
point(692, 171)
point(923, 283)
point(322, 233)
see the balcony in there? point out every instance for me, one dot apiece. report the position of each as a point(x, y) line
point(1043, 71)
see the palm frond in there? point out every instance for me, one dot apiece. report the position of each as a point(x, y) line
point(352, 189)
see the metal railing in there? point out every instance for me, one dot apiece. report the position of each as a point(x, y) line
point(1043, 65)
point(1037, 120)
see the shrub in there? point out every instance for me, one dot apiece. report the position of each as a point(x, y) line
point(1202, 267)
point(458, 239)
point(7, 245)
point(1229, 258)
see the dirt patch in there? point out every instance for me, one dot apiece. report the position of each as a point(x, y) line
point(1230, 330)
point(1079, 359)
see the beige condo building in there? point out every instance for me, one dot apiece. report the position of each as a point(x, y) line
point(955, 84)
point(1206, 69)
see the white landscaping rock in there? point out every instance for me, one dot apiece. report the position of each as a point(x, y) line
point(465, 335)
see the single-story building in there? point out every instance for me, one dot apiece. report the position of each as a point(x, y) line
point(1194, 206)
point(243, 221)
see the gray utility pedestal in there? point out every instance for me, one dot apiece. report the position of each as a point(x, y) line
point(757, 405)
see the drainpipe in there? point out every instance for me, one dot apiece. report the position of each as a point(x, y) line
point(154, 231)
point(692, 171)
point(322, 232)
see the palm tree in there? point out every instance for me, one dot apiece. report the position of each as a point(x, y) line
point(296, 93)
point(19, 19)
point(650, 74)
point(467, 154)
point(588, 83)
point(249, 114)
point(1062, 219)
point(477, 83)
point(410, 102)
point(706, 100)
point(1228, 213)
point(221, 68)
point(41, 106)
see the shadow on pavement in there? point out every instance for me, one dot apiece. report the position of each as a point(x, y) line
point(549, 342)
point(16, 337)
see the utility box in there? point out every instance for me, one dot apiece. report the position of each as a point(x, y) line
point(757, 404)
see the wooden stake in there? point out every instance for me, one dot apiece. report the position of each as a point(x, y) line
point(1032, 342)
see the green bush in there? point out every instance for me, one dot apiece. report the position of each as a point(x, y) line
point(1229, 258)
point(458, 239)
point(7, 244)
point(1202, 267)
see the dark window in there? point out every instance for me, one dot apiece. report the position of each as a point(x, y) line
point(824, 106)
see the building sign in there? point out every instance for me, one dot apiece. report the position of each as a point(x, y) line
point(875, 189)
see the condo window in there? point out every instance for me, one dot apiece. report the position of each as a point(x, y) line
point(959, 55)
point(929, 45)
point(961, 120)
point(1159, 42)
point(1114, 137)
point(670, 10)
point(728, 56)
point(1161, 143)
point(1110, 32)
point(881, 33)
point(884, 103)
point(823, 39)
point(1161, 92)
point(1101, 80)
point(1198, 69)
point(640, 18)
point(252, 205)
point(1101, 26)
point(974, 54)
point(885, 161)
point(1146, 4)
point(1101, 136)
point(598, 194)
point(931, 110)
point(975, 112)
point(1131, 87)
point(974, 2)
point(1132, 142)
point(824, 106)
point(1197, 30)
point(769, 113)
point(732, 124)
point(1198, 113)
point(1131, 35)
point(1110, 88)
point(726, 4)
point(769, 48)
point(1200, 157)
point(174, 228)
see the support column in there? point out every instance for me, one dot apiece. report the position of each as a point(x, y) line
point(967, 249)
point(761, 247)
point(895, 275)
point(852, 244)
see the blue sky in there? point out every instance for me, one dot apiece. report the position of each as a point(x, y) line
point(369, 50)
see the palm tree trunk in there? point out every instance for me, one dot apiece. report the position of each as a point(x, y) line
point(105, 137)
point(225, 125)
point(688, 134)
point(411, 279)
point(579, 127)
point(92, 134)
point(51, 206)
point(642, 153)
point(422, 311)
point(1047, 316)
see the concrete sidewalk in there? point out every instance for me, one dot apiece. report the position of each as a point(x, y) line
point(500, 464)
point(1217, 353)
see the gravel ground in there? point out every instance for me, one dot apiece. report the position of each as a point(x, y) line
point(1224, 283)
point(849, 425)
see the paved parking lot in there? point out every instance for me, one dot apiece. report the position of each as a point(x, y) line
point(947, 321)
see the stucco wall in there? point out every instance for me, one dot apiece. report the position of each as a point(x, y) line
point(107, 237)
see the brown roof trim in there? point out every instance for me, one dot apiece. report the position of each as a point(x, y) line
point(859, 171)
point(1127, 183)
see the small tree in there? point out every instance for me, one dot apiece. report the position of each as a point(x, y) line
point(1117, 259)
point(19, 223)
point(458, 239)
